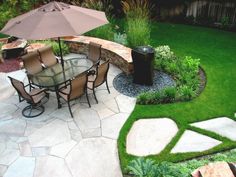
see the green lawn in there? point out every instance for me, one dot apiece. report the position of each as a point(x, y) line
point(217, 51)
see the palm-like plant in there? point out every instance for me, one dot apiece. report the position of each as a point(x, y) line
point(141, 167)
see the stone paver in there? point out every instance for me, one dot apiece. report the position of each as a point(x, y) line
point(7, 111)
point(50, 166)
point(14, 127)
point(94, 157)
point(150, 136)
point(111, 126)
point(16, 169)
point(192, 141)
point(3, 169)
point(88, 122)
point(222, 126)
point(56, 141)
point(126, 104)
point(61, 150)
point(51, 134)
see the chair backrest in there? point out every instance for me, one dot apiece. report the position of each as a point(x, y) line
point(20, 88)
point(78, 85)
point(47, 56)
point(32, 63)
point(94, 52)
point(102, 71)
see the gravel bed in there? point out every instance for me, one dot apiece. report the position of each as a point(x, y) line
point(124, 84)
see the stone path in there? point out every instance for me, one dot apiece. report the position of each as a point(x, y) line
point(223, 126)
point(56, 145)
point(192, 141)
point(151, 136)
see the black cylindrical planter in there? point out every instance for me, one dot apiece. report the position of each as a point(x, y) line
point(143, 61)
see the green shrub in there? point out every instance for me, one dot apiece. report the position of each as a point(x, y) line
point(166, 95)
point(138, 32)
point(141, 167)
point(185, 93)
point(13, 8)
point(55, 47)
point(101, 5)
point(120, 38)
point(137, 18)
point(147, 168)
point(137, 9)
point(225, 22)
point(170, 94)
point(104, 32)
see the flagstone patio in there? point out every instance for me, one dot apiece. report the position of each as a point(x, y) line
point(56, 145)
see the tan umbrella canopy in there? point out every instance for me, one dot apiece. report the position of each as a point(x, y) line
point(55, 19)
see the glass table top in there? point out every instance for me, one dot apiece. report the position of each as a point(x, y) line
point(54, 76)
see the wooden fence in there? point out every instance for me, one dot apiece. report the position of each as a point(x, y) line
point(213, 9)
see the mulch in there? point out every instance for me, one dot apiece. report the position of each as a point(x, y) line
point(10, 65)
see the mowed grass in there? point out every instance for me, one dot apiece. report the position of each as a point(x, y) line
point(217, 51)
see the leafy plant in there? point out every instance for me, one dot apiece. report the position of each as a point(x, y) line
point(141, 167)
point(103, 32)
point(225, 22)
point(138, 32)
point(137, 28)
point(185, 93)
point(13, 8)
point(101, 5)
point(166, 95)
point(183, 70)
point(170, 94)
point(55, 47)
point(137, 9)
point(120, 38)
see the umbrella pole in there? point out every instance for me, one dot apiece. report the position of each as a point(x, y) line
point(62, 61)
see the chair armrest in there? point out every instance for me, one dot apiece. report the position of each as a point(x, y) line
point(58, 59)
point(91, 72)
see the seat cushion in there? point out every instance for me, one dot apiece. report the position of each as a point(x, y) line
point(65, 93)
point(37, 97)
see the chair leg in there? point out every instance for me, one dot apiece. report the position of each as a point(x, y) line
point(70, 109)
point(95, 95)
point(107, 87)
point(27, 111)
point(87, 98)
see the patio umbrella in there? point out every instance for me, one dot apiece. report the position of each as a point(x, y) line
point(54, 20)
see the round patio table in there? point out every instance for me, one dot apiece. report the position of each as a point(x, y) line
point(54, 77)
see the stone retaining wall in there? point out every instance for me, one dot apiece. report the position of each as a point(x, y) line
point(119, 55)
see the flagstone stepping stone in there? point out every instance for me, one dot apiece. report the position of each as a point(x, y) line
point(192, 141)
point(50, 166)
point(223, 126)
point(23, 167)
point(94, 157)
point(150, 136)
point(51, 134)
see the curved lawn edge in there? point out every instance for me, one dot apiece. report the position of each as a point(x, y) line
point(217, 99)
